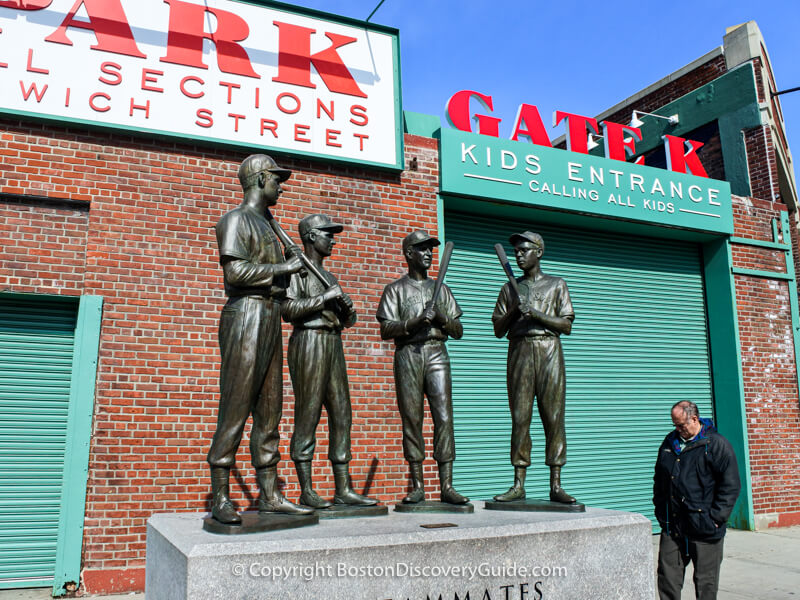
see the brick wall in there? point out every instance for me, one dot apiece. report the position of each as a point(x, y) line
point(44, 245)
point(768, 366)
point(681, 86)
point(147, 246)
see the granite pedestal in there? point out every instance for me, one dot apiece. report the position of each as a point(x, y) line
point(489, 554)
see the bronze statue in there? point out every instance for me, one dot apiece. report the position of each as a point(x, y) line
point(533, 311)
point(256, 277)
point(411, 314)
point(318, 312)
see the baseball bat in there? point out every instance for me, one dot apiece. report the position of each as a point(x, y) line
point(444, 262)
point(512, 279)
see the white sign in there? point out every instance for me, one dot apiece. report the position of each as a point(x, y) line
point(217, 70)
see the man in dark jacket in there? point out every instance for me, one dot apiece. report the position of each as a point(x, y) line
point(696, 484)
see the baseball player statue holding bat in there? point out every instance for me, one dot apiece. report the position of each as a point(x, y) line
point(533, 311)
point(319, 310)
point(419, 315)
point(256, 276)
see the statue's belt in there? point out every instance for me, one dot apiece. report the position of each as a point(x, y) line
point(428, 342)
point(319, 330)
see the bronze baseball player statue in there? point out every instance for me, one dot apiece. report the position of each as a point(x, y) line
point(318, 312)
point(256, 277)
point(533, 311)
point(419, 315)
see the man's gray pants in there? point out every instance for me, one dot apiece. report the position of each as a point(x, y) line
point(673, 556)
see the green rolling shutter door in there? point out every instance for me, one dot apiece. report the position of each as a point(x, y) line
point(638, 345)
point(36, 352)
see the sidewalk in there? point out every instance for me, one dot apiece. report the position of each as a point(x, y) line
point(761, 565)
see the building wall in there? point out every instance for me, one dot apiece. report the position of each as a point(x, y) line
point(132, 220)
point(768, 367)
point(143, 239)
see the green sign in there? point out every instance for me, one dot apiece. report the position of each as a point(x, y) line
point(487, 167)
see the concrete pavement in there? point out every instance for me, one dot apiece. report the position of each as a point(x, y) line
point(760, 565)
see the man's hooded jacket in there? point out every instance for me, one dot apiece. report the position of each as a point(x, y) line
point(695, 488)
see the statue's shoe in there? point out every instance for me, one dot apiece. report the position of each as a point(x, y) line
point(353, 499)
point(450, 496)
point(279, 504)
point(224, 512)
point(312, 499)
point(515, 492)
point(416, 495)
point(557, 494)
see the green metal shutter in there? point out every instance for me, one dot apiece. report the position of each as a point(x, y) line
point(36, 355)
point(639, 344)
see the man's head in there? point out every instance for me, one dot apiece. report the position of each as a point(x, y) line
point(260, 170)
point(418, 249)
point(528, 249)
point(317, 232)
point(686, 419)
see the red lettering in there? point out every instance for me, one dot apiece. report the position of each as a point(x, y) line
point(295, 60)
point(577, 135)
point(331, 135)
point(618, 147)
point(205, 114)
point(300, 131)
point(680, 161)
point(269, 125)
point(360, 112)
point(186, 92)
point(187, 32)
point(230, 87)
point(31, 69)
point(321, 108)
point(2, 64)
point(145, 108)
point(282, 108)
point(361, 137)
point(108, 22)
point(148, 77)
point(458, 113)
point(66, 99)
point(112, 69)
point(26, 4)
point(528, 123)
point(236, 118)
point(33, 88)
point(258, 98)
point(96, 108)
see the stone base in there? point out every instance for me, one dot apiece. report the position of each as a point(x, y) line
point(531, 505)
point(490, 554)
point(429, 506)
point(341, 511)
point(255, 522)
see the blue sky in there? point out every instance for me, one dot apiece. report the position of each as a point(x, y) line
point(571, 55)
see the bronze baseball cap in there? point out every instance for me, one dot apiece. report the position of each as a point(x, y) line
point(322, 222)
point(527, 236)
point(419, 237)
